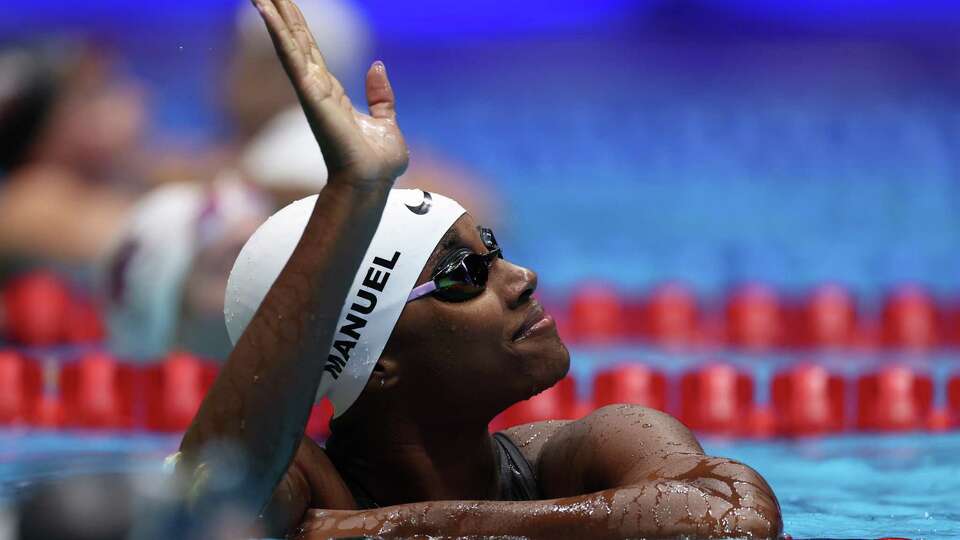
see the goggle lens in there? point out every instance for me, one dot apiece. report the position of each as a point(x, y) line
point(465, 276)
point(464, 279)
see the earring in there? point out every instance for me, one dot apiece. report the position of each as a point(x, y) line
point(382, 382)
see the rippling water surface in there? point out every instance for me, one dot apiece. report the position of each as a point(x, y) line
point(843, 487)
point(861, 486)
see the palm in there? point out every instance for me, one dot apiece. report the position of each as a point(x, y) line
point(368, 147)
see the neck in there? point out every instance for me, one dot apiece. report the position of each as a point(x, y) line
point(396, 460)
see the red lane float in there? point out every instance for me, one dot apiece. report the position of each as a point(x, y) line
point(630, 383)
point(15, 392)
point(953, 401)
point(99, 393)
point(716, 399)
point(896, 398)
point(940, 420)
point(48, 412)
point(35, 307)
point(761, 423)
point(596, 314)
point(754, 318)
point(82, 322)
point(47, 409)
point(952, 323)
point(909, 320)
point(558, 402)
point(808, 400)
point(828, 318)
point(318, 426)
point(668, 316)
point(175, 389)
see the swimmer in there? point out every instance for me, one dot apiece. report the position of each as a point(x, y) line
point(164, 278)
point(404, 312)
point(68, 126)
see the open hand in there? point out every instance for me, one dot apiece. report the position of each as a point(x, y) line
point(357, 147)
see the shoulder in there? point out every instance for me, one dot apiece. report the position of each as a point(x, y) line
point(634, 423)
point(531, 438)
point(598, 450)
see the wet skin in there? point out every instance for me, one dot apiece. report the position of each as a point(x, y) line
point(416, 440)
point(623, 471)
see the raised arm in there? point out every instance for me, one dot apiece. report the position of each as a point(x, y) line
point(622, 472)
point(261, 401)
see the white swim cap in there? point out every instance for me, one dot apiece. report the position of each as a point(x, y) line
point(339, 28)
point(284, 154)
point(412, 224)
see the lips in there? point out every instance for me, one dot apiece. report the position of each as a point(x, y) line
point(536, 320)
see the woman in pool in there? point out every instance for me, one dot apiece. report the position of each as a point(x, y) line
point(396, 306)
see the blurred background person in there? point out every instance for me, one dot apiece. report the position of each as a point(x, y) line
point(253, 86)
point(70, 127)
point(165, 277)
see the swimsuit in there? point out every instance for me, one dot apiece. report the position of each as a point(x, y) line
point(517, 480)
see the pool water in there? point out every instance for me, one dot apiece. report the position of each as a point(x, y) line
point(860, 486)
point(854, 486)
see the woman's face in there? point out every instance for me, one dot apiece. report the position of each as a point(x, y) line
point(483, 354)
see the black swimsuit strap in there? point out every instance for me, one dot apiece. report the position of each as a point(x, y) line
point(517, 479)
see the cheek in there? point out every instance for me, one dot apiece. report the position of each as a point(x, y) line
point(460, 340)
point(471, 329)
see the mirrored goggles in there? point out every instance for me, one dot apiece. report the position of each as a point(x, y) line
point(464, 276)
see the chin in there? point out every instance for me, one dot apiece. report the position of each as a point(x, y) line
point(542, 363)
point(564, 360)
point(556, 358)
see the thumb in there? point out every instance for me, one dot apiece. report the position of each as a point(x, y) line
point(380, 99)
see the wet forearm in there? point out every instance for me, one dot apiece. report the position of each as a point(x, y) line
point(262, 398)
point(664, 509)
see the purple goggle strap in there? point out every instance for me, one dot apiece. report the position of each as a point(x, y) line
point(422, 290)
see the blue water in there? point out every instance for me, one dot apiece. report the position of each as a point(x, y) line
point(842, 487)
point(860, 486)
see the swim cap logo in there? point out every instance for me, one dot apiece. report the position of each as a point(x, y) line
point(349, 334)
point(424, 206)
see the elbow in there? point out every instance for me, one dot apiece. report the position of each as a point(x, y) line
point(758, 523)
point(754, 510)
point(768, 522)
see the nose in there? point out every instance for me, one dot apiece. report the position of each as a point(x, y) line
point(521, 286)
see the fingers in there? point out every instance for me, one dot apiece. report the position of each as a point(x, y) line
point(283, 40)
point(380, 99)
point(300, 30)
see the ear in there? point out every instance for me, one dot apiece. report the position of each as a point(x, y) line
point(386, 375)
